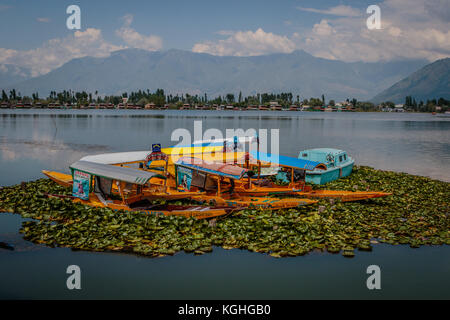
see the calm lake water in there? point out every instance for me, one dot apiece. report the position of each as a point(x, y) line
point(33, 140)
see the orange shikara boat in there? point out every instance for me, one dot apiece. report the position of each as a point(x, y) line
point(62, 179)
point(218, 181)
point(245, 191)
point(93, 183)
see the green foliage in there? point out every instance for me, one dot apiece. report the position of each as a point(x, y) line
point(416, 214)
point(429, 106)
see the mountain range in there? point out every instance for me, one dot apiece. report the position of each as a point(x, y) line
point(12, 74)
point(431, 81)
point(178, 71)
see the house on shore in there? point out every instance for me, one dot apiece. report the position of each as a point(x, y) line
point(150, 106)
point(399, 108)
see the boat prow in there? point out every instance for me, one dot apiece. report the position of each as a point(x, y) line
point(344, 196)
point(60, 178)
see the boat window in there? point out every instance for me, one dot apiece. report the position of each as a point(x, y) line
point(198, 179)
point(345, 157)
point(103, 186)
point(340, 158)
point(304, 155)
point(210, 184)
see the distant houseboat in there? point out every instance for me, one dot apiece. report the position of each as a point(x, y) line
point(338, 163)
point(276, 108)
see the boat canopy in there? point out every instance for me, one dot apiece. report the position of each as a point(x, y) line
point(219, 169)
point(285, 161)
point(198, 147)
point(138, 156)
point(113, 172)
point(220, 142)
point(117, 157)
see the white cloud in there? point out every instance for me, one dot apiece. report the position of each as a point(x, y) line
point(90, 42)
point(341, 10)
point(439, 9)
point(246, 43)
point(323, 29)
point(55, 52)
point(409, 30)
point(413, 29)
point(135, 39)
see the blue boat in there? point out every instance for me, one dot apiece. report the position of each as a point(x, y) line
point(339, 164)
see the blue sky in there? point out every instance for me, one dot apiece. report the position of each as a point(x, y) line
point(180, 23)
point(34, 35)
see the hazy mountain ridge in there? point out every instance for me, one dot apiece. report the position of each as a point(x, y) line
point(178, 71)
point(431, 81)
point(10, 74)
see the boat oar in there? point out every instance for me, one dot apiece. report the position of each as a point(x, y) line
point(49, 195)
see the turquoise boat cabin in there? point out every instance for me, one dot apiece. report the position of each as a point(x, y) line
point(339, 164)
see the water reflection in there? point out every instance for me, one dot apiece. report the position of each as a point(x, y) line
point(414, 143)
point(32, 140)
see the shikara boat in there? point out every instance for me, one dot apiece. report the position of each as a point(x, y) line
point(338, 164)
point(293, 171)
point(60, 178)
point(155, 190)
point(218, 181)
point(246, 189)
point(217, 160)
point(93, 186)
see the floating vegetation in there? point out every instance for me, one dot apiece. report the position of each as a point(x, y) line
point(416, 214)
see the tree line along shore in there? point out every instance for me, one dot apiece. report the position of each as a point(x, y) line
point(68, 99)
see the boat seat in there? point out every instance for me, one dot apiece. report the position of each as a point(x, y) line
point(263, 183)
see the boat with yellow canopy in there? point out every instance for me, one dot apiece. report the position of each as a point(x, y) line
point(292, 170)
point(93, 185)
point(218, 181)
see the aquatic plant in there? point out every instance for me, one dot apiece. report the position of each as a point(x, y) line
point(416, 214)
